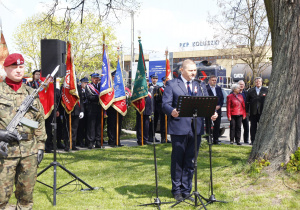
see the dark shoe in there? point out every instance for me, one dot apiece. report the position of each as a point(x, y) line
point(60, 145)
point(239, 143)
point(90, 146)
point(246, 142)
point(98, 144)
point(251, 143)
point(111, 143)
point(67, 149)
point(120, 145)
point(74, 148)
point(156, 140)
point(178, 197)
point(190, 198)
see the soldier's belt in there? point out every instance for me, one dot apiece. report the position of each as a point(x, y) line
point(26, 136)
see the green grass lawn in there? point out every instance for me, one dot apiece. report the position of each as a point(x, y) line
point(125, 178)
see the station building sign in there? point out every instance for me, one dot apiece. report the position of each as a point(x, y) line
point(200, 43)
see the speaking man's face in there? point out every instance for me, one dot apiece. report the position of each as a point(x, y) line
point(189, 71)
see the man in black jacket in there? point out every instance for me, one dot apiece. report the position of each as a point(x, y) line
point(254, 105)
point(94, 108)
point(214, 90)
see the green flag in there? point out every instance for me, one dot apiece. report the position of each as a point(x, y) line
point(140, 89)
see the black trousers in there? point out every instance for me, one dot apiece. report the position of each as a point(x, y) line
point(112, 125)
point(254, 119)
point(245, 123)
point(235, 128)
point(74, 128)
point(49, 140)
point(94, 123)
point(145, 128)
point(182, 162)
point(81, 132)
point(216, 128)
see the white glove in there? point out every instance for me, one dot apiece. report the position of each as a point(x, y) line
point(81, 115)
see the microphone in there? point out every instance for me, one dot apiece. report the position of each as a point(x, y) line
point(200, 84)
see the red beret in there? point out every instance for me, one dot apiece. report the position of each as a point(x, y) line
point(14, 59)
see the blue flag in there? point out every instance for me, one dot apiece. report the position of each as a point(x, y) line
point(120, 95)
point(106, 89)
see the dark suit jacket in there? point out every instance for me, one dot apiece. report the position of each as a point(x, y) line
point(219, 94)
point(148, 106)
point(174, 89)
point(254, 102)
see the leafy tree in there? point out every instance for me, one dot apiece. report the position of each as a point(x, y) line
point(278, 135)
point(243, 30)
point(86, 40)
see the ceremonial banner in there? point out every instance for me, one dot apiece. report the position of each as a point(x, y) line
point(140, 89)
point(107, 94)
point(168, 70)
point(69, 93)
point(120, 95)
point(47, 98)
point(3, 54)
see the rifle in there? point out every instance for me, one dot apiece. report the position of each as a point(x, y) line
point(19, 117)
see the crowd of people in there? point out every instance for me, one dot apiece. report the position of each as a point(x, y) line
point(242, 106)
point(20, 165)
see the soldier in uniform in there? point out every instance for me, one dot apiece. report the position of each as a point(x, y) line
point(20, 166)
point(158, 108)
point(81, 133)
point(154, 87)
point(94, 115)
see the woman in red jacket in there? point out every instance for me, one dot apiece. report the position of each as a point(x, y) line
point(236, 112)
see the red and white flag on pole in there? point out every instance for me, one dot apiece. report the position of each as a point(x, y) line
point(69, 94)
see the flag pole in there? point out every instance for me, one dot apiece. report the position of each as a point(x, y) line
point(70, 131)
point(117, 127)
point(117, 137)
point(166, 117)
point(142, 120)
point(102, 113)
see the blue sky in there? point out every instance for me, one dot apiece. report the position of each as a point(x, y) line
point(163, 23)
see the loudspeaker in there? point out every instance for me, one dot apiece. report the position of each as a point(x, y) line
point(53, 53)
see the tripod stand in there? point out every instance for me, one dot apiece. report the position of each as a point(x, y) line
point(157, 201)
point(212, 198)
point(56, 164)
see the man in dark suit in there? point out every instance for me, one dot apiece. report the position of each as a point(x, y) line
point(254, 105)
point(94, 113)
point(181, 129)
point(214, 90)
point(154, 87)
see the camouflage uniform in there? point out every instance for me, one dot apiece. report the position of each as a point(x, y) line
point(21, 164)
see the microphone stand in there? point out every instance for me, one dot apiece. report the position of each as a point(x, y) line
point(55, 163)
point(212, 197)
point(157, 201)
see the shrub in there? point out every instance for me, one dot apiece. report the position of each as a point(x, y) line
point(294, 164)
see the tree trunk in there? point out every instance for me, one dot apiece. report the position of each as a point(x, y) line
point(279, 127)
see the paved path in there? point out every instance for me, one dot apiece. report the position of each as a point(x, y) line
point(133, 142)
